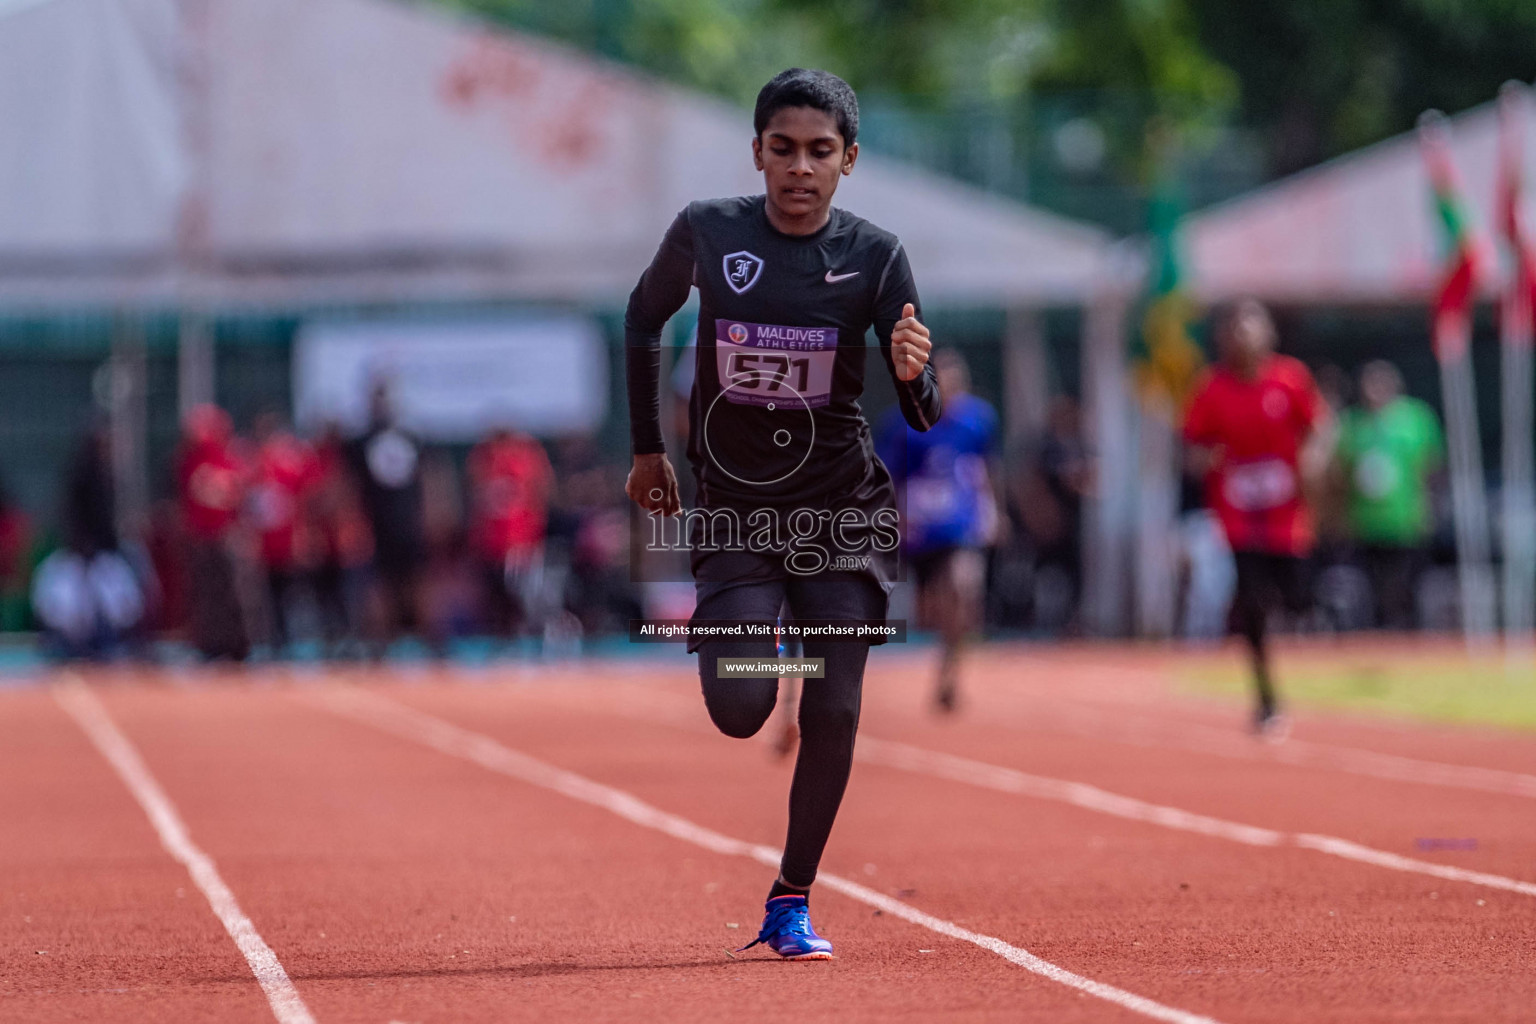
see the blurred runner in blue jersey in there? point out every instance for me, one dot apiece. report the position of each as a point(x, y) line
point(951, 511)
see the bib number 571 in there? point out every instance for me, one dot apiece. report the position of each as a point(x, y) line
point(751, 370)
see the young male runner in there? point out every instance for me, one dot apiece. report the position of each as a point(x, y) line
point(951, 512)
point(1251, 427)
point(788, 287)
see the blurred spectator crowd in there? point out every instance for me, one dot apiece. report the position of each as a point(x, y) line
point(330, 546)
point(342, 546)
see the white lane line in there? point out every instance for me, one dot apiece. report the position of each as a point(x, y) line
point(1406, 769)
point(1063, 715)
point(410, 724)
point(902, 756)
point(891, 754)
point(1383, 859)
point(92, 717)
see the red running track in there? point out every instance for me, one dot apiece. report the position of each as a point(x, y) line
point(396, 880)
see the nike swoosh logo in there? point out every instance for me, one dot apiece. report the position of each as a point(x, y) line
point(832, 278)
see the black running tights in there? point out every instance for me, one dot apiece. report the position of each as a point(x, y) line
point(829, 707)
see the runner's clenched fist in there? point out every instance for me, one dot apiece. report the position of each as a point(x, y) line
point(652, 484)
point(909, 344)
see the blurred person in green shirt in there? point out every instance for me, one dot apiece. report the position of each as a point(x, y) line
point(1389, 448)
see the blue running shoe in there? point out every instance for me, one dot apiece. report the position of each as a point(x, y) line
point(787, 931)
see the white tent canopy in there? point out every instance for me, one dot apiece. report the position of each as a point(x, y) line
point(1359, 229)
point(288, 151)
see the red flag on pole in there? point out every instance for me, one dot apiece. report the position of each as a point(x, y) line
point(1520, 296)
point(1464, 258)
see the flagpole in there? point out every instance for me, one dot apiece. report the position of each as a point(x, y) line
point(1157, 518)
point(1469, 501)
point(1518, 522)
point(1453, 349)
point(1166, 374)
point(1519, 497)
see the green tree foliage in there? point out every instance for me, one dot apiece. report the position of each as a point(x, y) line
point(1322, 77)
point(1309, 78)
point(929, 52)
point(926, 52)
point(1147, 51)
point(726, 47)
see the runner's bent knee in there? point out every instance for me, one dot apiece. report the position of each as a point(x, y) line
point(737, 706)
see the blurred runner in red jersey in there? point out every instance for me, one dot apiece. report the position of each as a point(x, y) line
point(286, 472)
point(1251, 426)
point(211, 483)
point(510, 482)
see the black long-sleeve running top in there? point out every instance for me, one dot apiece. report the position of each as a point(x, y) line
point(774, 414)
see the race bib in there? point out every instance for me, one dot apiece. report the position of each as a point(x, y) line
point(931, 501)
point(949, 487)
point(1259, 486)
point(391, 459)
point(782, 367)
point(1376, 475)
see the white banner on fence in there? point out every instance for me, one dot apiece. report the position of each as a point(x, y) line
point(454, 380)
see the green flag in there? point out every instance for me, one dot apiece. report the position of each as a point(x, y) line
point(1167, 357)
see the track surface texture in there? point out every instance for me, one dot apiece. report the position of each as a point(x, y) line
point(1081, 842)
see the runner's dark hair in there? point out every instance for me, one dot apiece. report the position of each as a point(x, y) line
point(819, 90)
